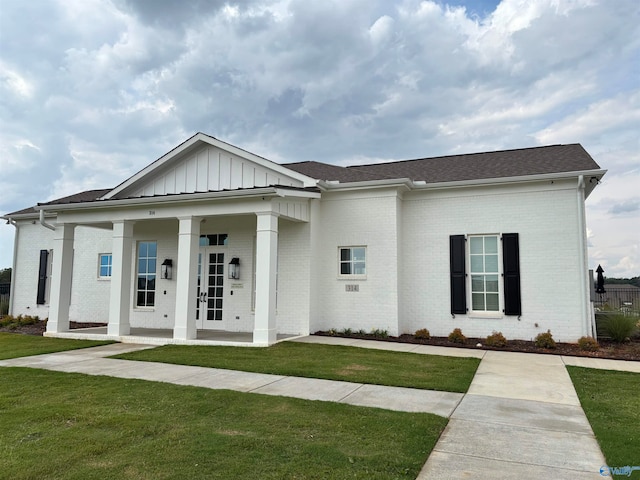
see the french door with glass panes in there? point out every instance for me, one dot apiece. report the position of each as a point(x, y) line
point(210, 288)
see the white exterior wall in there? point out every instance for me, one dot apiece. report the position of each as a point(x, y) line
point(358, 218)
point(89, 294)
point(211, 169)
point(546, 218)
point(294, 279)
point(407, 283)
point(33, 237)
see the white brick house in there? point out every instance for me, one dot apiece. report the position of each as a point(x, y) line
point(483, 242)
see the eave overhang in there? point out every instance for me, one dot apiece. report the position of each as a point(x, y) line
point(592, 178)
point(273, 192)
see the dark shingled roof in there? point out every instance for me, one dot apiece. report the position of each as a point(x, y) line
point(474, 166)
point(501, 164)
point(86, 196)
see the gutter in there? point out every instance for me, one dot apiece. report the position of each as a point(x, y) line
point(175, 198)
point(583, 258)
point(45, 224)
point(425, 185)
point(502, 180)
point(14, 263)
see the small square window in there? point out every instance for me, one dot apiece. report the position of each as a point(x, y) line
point(105, 264)
point(353, 261)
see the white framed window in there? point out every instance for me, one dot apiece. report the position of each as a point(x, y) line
point(146, 275)
point(105, 265)
point(352, 261)
point(484, 269)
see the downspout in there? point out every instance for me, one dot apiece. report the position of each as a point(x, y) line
point(45, 224)
point(14, 263)
point(586, 312)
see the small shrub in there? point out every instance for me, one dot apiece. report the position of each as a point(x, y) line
point(619, 327)
point(333, 331)
point(422, 334)
point(456, 336)
point(496, 339)
point(347, 332)
point(588, 344)
point(545, 340)
point(378, 333)
point(362, 331)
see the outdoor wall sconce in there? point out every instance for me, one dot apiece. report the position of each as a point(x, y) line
point(234, 268)
point(165, 269)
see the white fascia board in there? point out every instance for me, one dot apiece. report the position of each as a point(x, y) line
point(183, 198)
point(385, 183)
point(202, 138)
point(421, 185)
point(180, 198)
point(26, 216)
point(284, 192)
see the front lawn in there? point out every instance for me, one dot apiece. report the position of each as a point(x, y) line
point(611, 401)
point(332, 362)
point(14, 345)
point(73, 426)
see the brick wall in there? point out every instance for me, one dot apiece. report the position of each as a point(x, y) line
point(358, 219)
point(546, 218)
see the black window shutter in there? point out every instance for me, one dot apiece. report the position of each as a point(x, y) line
point(511, 269)
point(457, 272)
point(42, 277)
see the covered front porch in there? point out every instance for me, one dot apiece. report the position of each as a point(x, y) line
point(144, 301)
point(165, 336)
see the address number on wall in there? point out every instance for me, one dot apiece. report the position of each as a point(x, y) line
point(352, 288)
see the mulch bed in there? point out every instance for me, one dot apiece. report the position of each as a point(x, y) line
point(629, 350)
point(40, 327)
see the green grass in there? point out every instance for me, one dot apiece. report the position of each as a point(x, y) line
point(611, 401)
point(14, 345)
point(330, 362)
point(73, 426)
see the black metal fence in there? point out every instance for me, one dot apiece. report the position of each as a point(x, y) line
point(5, 292)
point(623, 299)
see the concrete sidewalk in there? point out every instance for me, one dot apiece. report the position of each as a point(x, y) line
point(521, 417)
point(91, 361)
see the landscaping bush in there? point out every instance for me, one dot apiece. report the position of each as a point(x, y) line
point(422, 334)
point(456, 336)
point(588, 344)
point(545, 340)
point(619, 327)
point(496, 339)
point(14, 322)
point(378, 333)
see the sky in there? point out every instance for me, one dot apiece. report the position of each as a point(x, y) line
point(91, 91)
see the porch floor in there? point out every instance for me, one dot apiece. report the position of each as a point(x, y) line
point(162, 336)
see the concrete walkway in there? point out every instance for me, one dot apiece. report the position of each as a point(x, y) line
point(521, 417)
point(92, 361)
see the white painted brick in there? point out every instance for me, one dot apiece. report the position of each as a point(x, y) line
point(407, 282)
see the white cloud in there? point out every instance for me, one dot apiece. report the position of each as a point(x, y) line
point(97, 89)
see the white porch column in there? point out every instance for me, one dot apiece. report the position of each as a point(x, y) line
point(264, 330)
point(120, 295)
point(60, 291)
point(186, 278)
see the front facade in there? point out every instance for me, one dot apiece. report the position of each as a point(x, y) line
point(484, 242)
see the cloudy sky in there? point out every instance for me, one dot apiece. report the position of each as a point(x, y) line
point(91, 91)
